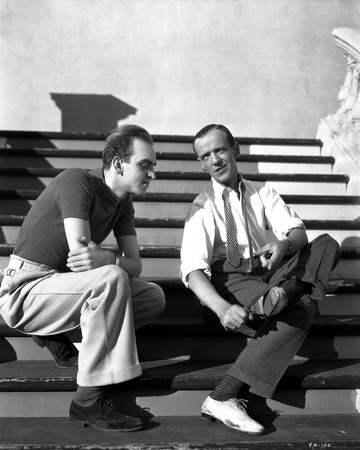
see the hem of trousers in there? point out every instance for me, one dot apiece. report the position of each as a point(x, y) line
point(10, 318)
point(109, 377)
point(41, 332)
point(258, 386)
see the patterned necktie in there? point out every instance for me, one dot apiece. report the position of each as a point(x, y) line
point(232, 247)
point(244, 210)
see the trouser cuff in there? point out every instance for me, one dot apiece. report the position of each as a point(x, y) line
point(108, 378)
point(257, 385)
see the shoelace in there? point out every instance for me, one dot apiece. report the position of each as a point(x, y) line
point(241, 404)
point(107, 405)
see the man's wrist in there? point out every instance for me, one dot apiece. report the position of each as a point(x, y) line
point(222, 309)
point(117, 259)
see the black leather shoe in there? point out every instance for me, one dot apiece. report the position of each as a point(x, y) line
point(103, 416)
point(62, 349)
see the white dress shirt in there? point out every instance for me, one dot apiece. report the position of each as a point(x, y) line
point(204, 239)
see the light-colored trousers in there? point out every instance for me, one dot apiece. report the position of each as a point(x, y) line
point(104, 302)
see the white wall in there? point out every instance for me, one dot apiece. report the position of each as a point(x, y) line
point(265, 68)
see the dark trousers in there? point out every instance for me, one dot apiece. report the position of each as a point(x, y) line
point(266, 357)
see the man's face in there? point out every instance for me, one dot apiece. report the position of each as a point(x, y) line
point(218, 158)
point(139, 171)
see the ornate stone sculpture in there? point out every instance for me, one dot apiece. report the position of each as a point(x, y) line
point(340, 132)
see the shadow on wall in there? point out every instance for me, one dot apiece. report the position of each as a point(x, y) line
point(91, 113)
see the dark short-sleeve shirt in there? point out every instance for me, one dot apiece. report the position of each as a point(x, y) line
point(75, 193)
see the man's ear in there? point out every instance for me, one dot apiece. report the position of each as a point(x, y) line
point(237, 149)
point(117, 163)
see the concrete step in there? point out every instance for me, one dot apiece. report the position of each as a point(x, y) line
point(172, 210)
point(167, 402)
point(312, 211)
point(184, 433)
point(168, 267)
point(167, 161)
point(346, 232)
point(248, 146)
point(312, 166)
point(176, 205)
point(346, 237)
point(164, 261)
point(343, 298)
point(315, 347)
point(188, 182)
point(321, 184)
point(178, 387)
point(173, 237)
point(82, 141)
point(187, 336)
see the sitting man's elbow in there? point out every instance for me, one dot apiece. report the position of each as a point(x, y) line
point(137, 269)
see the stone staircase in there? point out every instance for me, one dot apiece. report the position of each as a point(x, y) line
point(318, 399)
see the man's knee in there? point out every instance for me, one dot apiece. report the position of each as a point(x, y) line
point(147, 293)
point(109, 274)
point(328, 245)
point(326, 240)
point(112, 281)
point(148, 301)
point(116, 274)
point(156, 298)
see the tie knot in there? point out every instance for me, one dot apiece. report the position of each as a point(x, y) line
point(225, 197)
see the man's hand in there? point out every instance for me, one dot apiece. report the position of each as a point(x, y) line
point(88, 256)
point(272, 254)
point(232, 317)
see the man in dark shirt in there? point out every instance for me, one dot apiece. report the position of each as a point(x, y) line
point(60, 278)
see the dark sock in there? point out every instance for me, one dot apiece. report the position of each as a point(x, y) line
point(86, 396)
point(228, 388)
point(293, 288)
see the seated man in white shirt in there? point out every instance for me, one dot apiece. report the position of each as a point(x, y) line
point(277, 281)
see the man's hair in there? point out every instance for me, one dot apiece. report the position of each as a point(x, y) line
point(120, 143)
point(211, 127)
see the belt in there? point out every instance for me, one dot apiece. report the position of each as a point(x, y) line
point(20, 271)
point(17, 262)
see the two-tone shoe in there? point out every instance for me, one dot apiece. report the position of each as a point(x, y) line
point(272, 303)
point(275, 301)
point(231, 413)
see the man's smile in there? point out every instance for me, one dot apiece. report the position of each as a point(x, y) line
point(219, 169)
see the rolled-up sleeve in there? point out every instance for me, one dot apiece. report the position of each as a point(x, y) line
point(198, 242)
point(280, 217)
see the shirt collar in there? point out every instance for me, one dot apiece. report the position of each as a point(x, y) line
point(219, 188)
